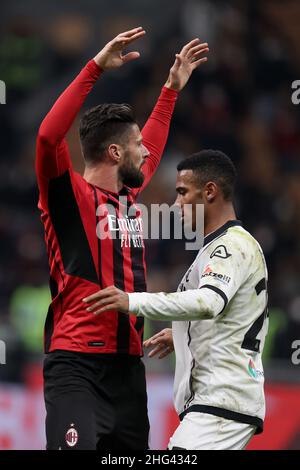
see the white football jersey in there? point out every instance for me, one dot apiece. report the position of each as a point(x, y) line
point(218, 361)
point(222, 307)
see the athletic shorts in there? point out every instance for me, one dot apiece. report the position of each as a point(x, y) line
point(95, 401)
point(201, 431)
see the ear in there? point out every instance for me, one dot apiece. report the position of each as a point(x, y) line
point(114, 152)
point(211, 191)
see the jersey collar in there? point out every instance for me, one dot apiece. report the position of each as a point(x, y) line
point(213, 235)
point(124, 191)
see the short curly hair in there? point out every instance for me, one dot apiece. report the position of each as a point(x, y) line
point(212, 165)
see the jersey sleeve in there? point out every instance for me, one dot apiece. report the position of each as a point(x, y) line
point(226, 267)
point(52, 153)
point(155, 133)
point(189, 305)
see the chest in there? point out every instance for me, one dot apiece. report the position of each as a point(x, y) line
point(112, 220)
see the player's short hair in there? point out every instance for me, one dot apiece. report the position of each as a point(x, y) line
point(212, 165)
point(103, 125)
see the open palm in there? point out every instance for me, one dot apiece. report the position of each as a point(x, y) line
point(189, 58)
point(111, 56)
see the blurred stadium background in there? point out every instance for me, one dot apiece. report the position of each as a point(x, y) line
point(240, 102)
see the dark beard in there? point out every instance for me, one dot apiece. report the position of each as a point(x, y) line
point(131, 176)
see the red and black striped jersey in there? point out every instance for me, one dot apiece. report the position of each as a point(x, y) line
point(81, 261)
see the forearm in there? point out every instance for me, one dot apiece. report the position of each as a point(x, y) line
point(190, 305)
point(156, 130)
point(61, 116)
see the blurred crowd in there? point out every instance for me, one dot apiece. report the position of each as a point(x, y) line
point(239, 102)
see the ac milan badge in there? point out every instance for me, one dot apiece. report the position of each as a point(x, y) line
point(71, 436)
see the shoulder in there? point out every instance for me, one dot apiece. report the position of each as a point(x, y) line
point(234, 241)
point(243, 239)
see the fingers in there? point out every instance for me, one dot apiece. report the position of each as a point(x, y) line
point(198, 62)
point(110, 306)
point(161, 339)
point(148, 342)
point(92, 297)
point(131, 32)
point(188, 46)
point(134, 38)
point(197, 49)
point(101, 294)
point(130, 56)
point(102, 303)
point(104, 298)
point(193, 51)
point(156, 350)
point(151, 342)
point(165, 353)
point(130, 36)
point(198, 55)
point(194, 43)
point(191, 54)
point(197, 58)
point(163, 350)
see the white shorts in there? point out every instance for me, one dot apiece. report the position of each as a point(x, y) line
point(202, 431)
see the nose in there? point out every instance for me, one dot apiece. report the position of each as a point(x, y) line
point(145, 151)
point(177, 202)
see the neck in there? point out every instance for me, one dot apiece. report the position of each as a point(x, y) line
point(105, 176)
point(218, 217)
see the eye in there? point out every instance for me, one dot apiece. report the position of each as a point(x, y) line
point(181, 191)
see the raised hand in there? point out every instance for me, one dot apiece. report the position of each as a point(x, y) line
point(189, 58)
point(163, 342)
point(111, 56)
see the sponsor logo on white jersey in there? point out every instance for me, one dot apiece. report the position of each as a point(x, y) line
point(208, 272)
